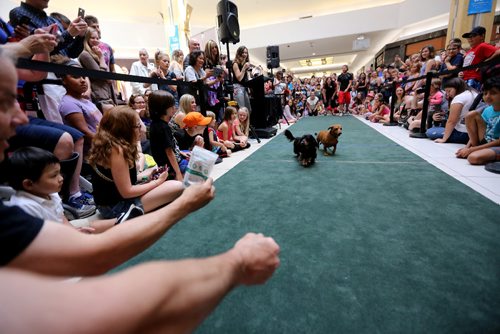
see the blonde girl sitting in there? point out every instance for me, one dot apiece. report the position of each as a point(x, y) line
point(225, 131)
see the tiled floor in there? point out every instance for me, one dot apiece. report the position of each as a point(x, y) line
point(440, 155)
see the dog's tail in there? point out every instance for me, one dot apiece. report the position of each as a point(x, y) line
point(289, 135)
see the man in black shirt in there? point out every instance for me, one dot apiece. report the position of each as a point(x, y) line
point(344, 91)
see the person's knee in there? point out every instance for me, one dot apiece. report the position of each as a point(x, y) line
point(472, 117)
point(481, 157)
point(474, 159)
point(64, 147)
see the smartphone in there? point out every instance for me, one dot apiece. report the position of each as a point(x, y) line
point(81, 12)
point(158, 171)
point(25, 20)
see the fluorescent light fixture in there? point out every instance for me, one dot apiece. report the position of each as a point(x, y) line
point(316, 61)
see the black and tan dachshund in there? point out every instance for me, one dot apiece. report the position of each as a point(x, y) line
point(304, 147)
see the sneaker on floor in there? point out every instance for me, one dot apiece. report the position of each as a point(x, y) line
point(87, 198)
point(132, 212)
point(79, 210)
point(84, 199)
point(493, 167)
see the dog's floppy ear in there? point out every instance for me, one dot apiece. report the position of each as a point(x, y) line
point(329, 128)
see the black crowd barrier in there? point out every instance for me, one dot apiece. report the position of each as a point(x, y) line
point(428, 79)
point(198, 88)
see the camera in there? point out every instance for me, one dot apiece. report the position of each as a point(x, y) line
point(218, 71)
point(420, 90)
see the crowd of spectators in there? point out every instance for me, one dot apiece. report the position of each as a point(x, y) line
point(454, 95)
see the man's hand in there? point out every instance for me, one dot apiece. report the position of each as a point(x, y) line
point(258, 256)
point(198, 195)
point(78, 27)
point(40, 42)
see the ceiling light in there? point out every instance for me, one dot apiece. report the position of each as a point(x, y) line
point(316, 61)
point(360, 37)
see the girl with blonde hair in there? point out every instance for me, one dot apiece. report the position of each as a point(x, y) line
point(187, 103)
point(176, 64)
point(242, 124)
point(92, 58)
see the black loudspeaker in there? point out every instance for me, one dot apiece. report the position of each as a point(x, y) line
point(273, 56)
point(227, 19)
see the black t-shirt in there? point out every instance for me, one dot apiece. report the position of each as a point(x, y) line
point(344, 79)
point(185, 141)
point(161, 138)
point(17, 231)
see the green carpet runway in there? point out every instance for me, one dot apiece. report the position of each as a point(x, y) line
point(373, 240)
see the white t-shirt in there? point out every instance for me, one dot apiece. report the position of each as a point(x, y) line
point(312, 103)
point(141, 70)
point(46, 209)
point(465, 99)
point(190, 74)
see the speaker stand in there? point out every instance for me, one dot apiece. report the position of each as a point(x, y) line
point(253, 133)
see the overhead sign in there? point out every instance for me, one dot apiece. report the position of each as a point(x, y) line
point(479, 6)
point(174, 38)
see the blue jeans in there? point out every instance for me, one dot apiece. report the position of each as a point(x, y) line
point(455, 137)
point(474, 84)
point(241, 96)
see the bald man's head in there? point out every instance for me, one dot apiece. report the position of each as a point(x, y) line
point(11, 114)
point(194, 45)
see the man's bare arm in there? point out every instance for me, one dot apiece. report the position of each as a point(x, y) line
point(166, 297)
point(61, 250)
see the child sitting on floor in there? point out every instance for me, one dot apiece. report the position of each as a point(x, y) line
point(214, 144)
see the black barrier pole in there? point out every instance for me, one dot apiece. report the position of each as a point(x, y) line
point(393, 103)
point(202, 93)
point(423, 119)
point(229, 87)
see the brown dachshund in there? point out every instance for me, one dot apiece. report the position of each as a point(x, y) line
point(330, 138)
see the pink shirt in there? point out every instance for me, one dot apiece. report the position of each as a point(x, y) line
point(229, 132)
